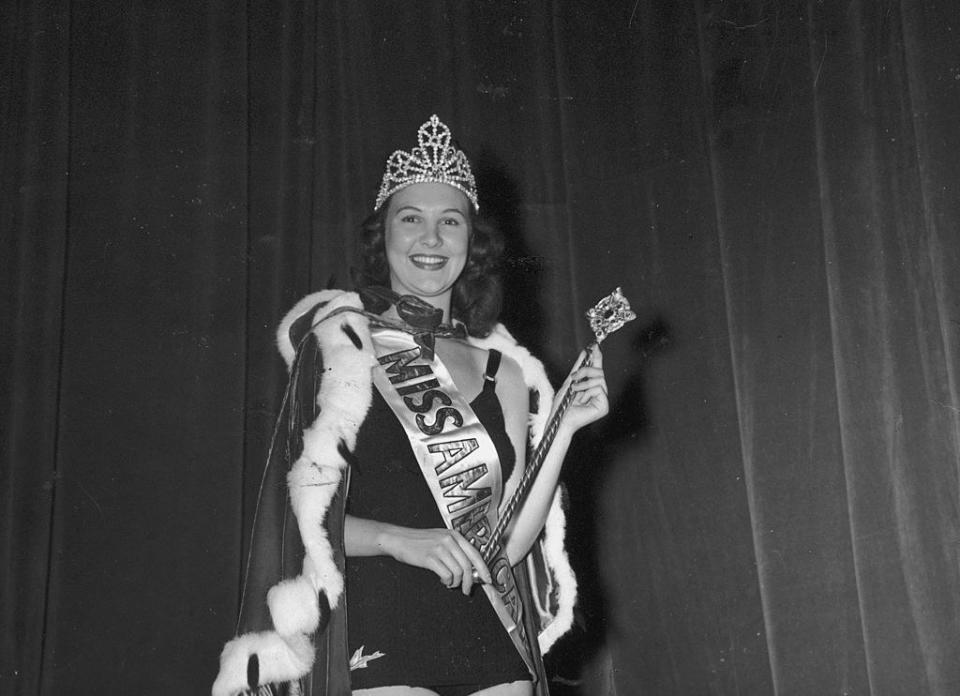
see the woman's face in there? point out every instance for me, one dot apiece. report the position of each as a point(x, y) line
point(427, 239)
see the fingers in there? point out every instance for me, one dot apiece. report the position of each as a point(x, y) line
point(592, 368)
point(476, 563)
point(596, 356)
point(588, 387)
point(442, 570)
point(452, 565)
point(587, 384)
point(454, 559)
point(588, 377)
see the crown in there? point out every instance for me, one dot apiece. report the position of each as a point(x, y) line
point(434, 160)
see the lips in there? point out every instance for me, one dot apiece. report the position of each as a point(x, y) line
point(428, 262)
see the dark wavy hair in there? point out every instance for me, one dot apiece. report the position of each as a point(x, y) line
point(478, 292)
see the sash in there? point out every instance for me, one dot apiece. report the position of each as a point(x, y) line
point(457, 458)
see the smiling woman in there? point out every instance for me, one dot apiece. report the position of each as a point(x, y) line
point(424, 408)
point(478, 292)
point(427, 240)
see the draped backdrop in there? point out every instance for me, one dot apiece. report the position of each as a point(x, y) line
point(772, 506)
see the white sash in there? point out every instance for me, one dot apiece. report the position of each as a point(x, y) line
point(457, 458)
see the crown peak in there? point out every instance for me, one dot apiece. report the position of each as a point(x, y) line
point(433, 160)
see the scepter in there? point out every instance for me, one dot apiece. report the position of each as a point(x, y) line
point(607, 316)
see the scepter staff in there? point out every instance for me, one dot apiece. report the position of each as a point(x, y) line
point(607, 316)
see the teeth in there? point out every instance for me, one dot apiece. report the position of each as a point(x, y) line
point(423, 258)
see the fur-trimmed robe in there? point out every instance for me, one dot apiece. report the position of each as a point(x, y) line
point(296, 550)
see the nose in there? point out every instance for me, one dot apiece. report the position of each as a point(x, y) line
point(431, 236)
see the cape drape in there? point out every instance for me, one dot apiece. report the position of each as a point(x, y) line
point(291, 631)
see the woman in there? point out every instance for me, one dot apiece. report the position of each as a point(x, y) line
point(431, 425)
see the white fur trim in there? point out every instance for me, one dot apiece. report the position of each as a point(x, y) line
point(312, 488)
point(344, 398)
point(287, 349)
point(294, 607)
point(281, 659)
point(556, 557)
point(346, 391)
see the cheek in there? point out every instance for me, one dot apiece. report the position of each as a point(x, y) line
point(463, 244)
point(389, 239)
point(392, 251)
point(395, 245)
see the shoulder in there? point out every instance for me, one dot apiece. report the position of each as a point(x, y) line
point(511, 389)
point(306, 317)
point(510, 373)
point(533, 374)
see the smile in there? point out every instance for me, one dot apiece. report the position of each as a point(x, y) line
point(428, 262)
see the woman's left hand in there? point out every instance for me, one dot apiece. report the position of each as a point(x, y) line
point(589, 387)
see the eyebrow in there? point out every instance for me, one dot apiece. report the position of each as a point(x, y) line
point(410, 206)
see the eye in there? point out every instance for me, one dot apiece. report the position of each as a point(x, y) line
point(410, 219)
point(451, 221)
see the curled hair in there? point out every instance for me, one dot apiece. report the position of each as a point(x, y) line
point(478, 293)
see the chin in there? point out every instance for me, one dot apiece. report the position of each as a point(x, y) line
point(428, 290)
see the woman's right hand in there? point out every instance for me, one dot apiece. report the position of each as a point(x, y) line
point(442, 551)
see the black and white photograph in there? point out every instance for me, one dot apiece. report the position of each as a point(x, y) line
point(480, 348)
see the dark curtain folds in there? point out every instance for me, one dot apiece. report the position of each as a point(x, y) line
point(773, 505)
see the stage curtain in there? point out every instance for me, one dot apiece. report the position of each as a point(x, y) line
point(772, 505)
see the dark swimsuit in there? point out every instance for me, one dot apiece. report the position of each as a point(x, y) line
point(431, 636)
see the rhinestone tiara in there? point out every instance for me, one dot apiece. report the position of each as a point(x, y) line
point(434, 160)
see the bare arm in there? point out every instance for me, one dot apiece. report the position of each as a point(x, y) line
point(443, 551)
point(589, 404)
